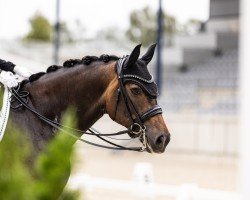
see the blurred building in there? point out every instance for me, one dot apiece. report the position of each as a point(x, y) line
point(201, 83)
point(224, 15)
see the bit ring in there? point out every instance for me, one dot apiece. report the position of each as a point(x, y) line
point(137, 128)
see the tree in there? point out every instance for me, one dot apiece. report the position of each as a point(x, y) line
point(15, 179)
point(192, 26)
point(41, 29)
point(44, 181)
point(143, 26)
point(52, 168)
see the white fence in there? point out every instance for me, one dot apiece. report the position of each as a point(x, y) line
point(149, 190)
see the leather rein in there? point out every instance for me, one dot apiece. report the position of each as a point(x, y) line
point(137, 129)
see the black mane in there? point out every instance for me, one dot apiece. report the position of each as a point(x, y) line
point(87, 60)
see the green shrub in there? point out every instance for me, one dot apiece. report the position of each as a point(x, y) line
point(45, 179)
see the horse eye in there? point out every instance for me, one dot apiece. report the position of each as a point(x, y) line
point(136, 91)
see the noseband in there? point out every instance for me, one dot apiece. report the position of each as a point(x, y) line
point(137, 128)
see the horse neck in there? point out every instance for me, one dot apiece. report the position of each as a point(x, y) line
point(81, 87)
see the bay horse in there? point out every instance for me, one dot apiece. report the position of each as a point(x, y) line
point(120, 87)
point(95, 86)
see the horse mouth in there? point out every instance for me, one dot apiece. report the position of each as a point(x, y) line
point(150, 148)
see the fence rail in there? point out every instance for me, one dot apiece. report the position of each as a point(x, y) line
point(151, 190)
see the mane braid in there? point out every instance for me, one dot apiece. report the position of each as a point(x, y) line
point(71, 63)
point(24, 82)
point(36, 76)
point(106, 58)
point(53, 68)
point(87, 60)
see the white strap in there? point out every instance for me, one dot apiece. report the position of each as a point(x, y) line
point(5, 110)
point(23, 72)
point(8, 79)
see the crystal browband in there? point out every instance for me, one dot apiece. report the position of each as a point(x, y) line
point(138, 77)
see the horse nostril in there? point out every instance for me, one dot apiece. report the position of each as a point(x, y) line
point(162, 140)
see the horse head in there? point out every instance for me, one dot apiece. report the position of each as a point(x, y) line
point(131, 100)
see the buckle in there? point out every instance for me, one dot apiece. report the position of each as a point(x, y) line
point(137, 128)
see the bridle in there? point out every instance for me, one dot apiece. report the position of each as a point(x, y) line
point(137, 128)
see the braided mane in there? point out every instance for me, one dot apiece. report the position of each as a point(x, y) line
point(87, 60)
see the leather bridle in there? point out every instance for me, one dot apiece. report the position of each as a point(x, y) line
point(137, 128)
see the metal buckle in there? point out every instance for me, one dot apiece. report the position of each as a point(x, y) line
point(137, 128)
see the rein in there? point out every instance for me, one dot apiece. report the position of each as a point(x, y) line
point(62, 128)
point(137, 129)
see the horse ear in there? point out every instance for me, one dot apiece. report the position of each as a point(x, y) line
point(147, 57)
point(133, 57)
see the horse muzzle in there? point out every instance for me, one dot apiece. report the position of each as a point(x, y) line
point(158, 144)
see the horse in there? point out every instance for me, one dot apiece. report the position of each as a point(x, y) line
point(123, 88)
point(95, 86)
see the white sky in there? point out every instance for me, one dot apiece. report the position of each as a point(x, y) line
point(93, 14)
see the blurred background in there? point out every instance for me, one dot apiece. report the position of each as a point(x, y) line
point(196, 67)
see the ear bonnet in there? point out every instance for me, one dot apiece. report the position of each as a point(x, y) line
point(135, 70)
